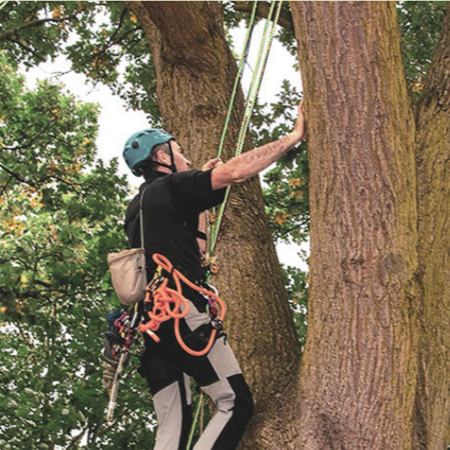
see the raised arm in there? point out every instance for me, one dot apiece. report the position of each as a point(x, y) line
point(250, 163)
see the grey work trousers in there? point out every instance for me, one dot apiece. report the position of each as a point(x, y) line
point(168, 369)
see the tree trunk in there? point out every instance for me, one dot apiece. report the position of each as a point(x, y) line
point(433, 159)
point(195, 74)
point(359, 369)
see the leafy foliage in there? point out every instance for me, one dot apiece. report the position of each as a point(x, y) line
point(420, 24)
point(286, 194)
point(296, 283)
point(101, 39)
point(60, 212)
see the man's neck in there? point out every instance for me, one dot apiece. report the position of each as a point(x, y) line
point(154, 174)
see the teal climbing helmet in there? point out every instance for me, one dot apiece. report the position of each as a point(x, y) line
point(140, 145)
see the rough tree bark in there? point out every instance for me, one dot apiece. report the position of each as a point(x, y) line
point(375, 369)
point(195, 74)
point(433, 155)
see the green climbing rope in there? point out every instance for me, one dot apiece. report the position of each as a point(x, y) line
point(242, 62)
point(195, 419)
point(263, 56)
point(256, 80)
point(255, 84)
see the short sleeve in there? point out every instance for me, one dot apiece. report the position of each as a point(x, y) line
point(192, 190)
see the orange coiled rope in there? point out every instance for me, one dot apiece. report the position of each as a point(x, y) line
point(169, 304)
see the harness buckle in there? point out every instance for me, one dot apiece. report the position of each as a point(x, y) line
point(216, 324)
point(151, 288)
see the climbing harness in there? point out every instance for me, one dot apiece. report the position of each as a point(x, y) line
point(164, 303)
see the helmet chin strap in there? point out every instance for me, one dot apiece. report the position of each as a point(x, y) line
point(172, 165)
point(156, 163)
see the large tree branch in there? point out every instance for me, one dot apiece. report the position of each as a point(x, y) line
point(15, 32)
point(285, 19)
point(200, 25)
point(433, 169)
point(437, 85)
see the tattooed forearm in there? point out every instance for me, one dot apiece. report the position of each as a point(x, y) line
point(251, 163)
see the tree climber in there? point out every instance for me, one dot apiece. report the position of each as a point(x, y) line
point(173, 199)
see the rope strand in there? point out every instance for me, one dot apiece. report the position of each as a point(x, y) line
point(198, 412)
point(263, 56)
point(242, 62)
point(255, 85)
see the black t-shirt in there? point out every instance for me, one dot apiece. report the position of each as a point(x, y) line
point(171, 206)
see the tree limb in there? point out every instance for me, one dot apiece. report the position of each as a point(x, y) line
point(285, 19)
point(26, 48)
point(438, 80)
point(32, 139)
point(7, 34)
point(17, 177)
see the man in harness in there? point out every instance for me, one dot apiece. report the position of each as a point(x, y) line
point(173, 198)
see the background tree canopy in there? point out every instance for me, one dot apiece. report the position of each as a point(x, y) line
point(61, 210)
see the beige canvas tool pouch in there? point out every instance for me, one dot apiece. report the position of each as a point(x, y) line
point(128, 274)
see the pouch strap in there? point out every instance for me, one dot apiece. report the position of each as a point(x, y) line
point(141, 216)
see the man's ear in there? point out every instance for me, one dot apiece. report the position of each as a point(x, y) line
point(162, 157)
